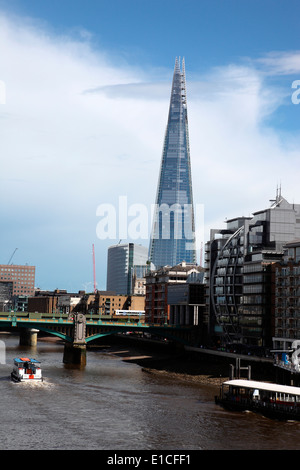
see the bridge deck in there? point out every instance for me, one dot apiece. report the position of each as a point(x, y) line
point(62, 325)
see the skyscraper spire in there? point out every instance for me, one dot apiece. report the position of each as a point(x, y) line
point(173, 232)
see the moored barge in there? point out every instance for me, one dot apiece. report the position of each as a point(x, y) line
point(269, 399)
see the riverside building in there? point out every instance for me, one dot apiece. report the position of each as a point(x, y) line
point(173, 232)
point(238, 273)
point(287, 297)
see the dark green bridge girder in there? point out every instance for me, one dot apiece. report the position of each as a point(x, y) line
point(59, 325)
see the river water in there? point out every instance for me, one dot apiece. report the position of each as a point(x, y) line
point(114, 404)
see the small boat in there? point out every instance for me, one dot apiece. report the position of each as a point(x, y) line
point(26, 369)
point(269, 399)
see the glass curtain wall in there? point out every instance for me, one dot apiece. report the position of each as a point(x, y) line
point(173, 232)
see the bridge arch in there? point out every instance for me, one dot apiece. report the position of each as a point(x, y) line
point(59, 334)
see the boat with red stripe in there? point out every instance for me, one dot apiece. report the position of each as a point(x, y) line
point(26, 369)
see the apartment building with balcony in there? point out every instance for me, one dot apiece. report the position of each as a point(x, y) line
point(238, 266)
point(286, 291)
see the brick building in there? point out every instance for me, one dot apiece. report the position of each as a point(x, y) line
point(22, 277)
point(108, 303)
point(59, 301)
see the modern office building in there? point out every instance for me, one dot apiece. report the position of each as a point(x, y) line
point(22, 277)
point(286, 302)
point(124, 261)
point(239, 261)
point(173, 232)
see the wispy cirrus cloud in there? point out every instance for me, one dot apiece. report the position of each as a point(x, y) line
point(281, 63)
point(139, 90)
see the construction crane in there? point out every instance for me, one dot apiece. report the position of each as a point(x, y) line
point(94, 269)
point(9, 261)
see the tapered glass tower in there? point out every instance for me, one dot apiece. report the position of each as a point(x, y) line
point(173, 232)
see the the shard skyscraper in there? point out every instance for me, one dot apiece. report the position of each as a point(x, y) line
point(173, 232)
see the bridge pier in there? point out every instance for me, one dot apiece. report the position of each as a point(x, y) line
point(28, 337)
point(75, 354)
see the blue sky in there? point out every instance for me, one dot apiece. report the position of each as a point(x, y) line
point(87, 88)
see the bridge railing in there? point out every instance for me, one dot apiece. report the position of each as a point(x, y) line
point(91, 317)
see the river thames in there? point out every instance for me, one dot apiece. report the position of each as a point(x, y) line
point(114, 404)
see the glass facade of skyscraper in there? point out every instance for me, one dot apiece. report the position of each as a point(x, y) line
point(173, 232)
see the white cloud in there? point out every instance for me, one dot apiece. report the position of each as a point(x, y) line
point(77, 131)
point(237, 158)
point(281, 63)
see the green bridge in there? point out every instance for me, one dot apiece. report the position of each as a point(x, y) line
point(78, 329)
